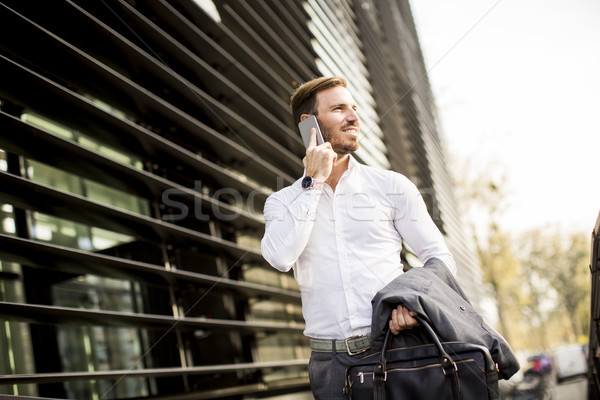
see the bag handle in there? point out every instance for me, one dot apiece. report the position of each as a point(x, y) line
point(449, 367)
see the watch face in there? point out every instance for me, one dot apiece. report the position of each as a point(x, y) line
point(306, 182)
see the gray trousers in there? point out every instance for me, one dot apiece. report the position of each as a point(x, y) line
point(327, 373)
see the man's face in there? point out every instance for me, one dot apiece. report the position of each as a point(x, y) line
point(338, 120)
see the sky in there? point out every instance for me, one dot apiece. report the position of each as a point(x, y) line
point(517, 88)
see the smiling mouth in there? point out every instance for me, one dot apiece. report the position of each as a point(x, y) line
point(351, 129)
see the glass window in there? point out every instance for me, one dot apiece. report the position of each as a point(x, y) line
point(54, 177)
point(105, 194)
point(3, 163)
point(103, 239)
point(108, 151)
point(108, 108)
point(7, 219)
point(279, 346)
point(72, 183)
point(16, 355)
point(87, 348)
point(100, 348)
point(67, 233)
point(47, 125)
point(269, 277)
point(85, 140)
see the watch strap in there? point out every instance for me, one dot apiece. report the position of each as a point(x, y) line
point(310, 183)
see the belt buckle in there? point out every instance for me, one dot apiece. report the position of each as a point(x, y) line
point(350, 353)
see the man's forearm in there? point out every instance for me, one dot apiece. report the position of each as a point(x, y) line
point(287, 229)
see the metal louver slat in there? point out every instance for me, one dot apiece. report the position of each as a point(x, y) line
point(76, 261)
point(230, 42)
point(298, 60)
point(108, 132)
point(152, 372)
point(229, 151)
point(295, 34)
point(46, 96)
point(32, 142)
point(275, 61)
point(231, 97)
point(273, 97)
point(30, 195)
point(139, 141)
point(36, 313)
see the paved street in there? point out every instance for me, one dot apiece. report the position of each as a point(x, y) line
point(571, 390)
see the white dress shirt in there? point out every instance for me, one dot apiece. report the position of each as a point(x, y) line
point(344, 246)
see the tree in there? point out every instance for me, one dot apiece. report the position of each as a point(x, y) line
point(499, 266)
point(562, 261)
point(539, 281)
point(535, 306)
point(485, 202)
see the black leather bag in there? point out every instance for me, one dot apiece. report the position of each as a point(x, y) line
point(429, 371)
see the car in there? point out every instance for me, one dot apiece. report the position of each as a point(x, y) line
point(569, 361)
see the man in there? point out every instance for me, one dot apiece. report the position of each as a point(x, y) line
point(341, 227)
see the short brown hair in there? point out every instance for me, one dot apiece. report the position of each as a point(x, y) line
point(304, 100)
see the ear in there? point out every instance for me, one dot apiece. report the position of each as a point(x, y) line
point(304, 116)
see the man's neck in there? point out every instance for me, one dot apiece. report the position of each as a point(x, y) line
point(340, 166)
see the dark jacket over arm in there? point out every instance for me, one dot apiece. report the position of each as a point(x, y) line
point(434, 293)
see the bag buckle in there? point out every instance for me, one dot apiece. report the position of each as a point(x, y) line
point(448, 363)
point(353, 353)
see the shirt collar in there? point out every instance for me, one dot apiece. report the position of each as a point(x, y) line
point(352, 163)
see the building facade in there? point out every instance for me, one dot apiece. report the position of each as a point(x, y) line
point(138, 143)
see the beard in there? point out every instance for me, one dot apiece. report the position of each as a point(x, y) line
point(341, 144)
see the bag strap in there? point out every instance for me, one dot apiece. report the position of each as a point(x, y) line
point(449, 367)
point(380, 371)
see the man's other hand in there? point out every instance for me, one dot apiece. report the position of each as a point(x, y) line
point(402, 318)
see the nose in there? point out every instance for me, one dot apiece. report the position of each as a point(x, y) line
point(352, 115)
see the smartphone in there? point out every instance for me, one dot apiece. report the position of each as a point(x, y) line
point(305, 127)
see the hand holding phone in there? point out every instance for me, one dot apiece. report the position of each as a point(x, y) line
point(319, 160)
point(305, 127)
